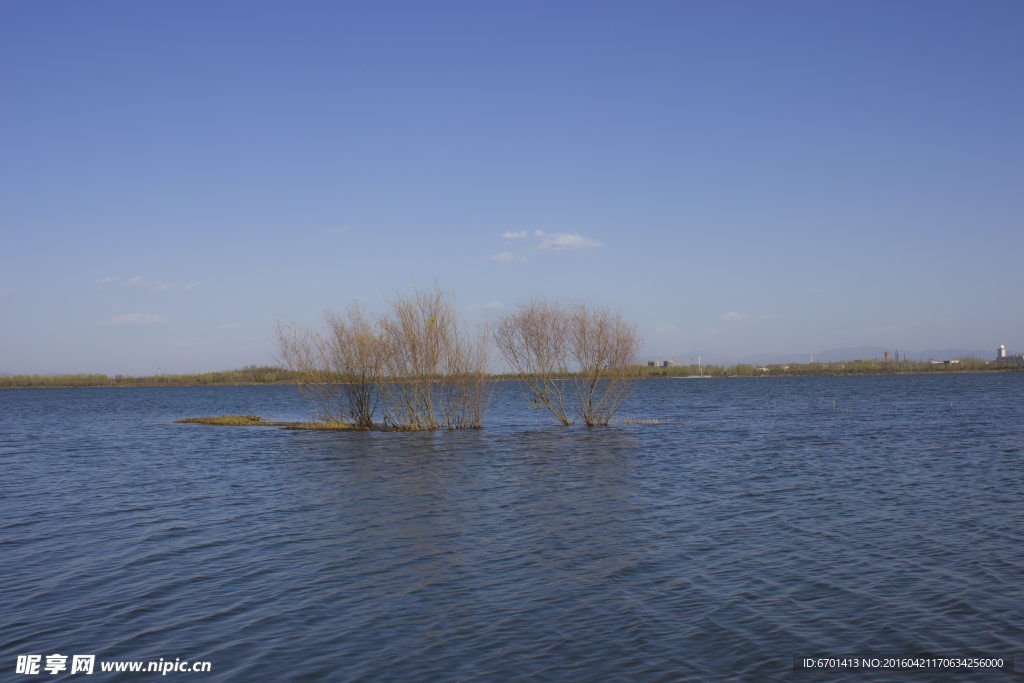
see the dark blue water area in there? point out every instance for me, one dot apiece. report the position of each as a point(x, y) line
point(765, 518)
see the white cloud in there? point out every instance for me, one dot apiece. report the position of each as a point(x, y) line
point(137, 319)
point(767, 316)
point(732, 315)
point(816, 289)
point(135, 282)
point(139, 282)
point(337, 229)
point(513, 235)
point(538, 233)
point(565, 241)
point(229, 326)
point(505, 257)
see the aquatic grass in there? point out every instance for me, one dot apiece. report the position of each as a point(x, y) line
point(229, 421)
point(257, 421)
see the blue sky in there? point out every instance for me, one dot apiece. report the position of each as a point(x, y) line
point(738, 178)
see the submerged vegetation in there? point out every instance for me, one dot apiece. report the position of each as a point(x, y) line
point(228, 420)
point(425, 369)
point(256, 421)
point(418, 362)
point(570, 356)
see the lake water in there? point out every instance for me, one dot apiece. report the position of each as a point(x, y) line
point(769, 518)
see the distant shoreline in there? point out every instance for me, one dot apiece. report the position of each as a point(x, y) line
point(710, 372)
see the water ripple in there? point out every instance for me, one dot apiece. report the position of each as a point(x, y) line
point(768, 517)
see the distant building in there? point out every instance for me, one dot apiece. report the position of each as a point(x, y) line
point(1002, 360)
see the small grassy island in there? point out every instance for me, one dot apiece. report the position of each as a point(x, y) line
point(257, 421)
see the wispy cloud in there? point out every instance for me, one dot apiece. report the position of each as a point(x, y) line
point(337, 230)
point(506, 257)
point(815, 289)
point(538, 233)
point(732, 315)
point(767, 316)
point(514, 235)
point(665, 329)
point(136, 282)
point(137, 319)
point(229, 326)
point(7, 292)
point(139, 282)
point(567, 241)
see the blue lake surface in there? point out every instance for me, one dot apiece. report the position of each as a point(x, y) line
point(767, 518)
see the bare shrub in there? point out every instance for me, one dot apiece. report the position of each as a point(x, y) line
point(338, 371)
point(541, 337)
point(604, 347)
point(423, 367)
point(303, 352)
point(412, 348)
point(354, 355)
point(467, 388)
point(434, 371)
point(533, 339)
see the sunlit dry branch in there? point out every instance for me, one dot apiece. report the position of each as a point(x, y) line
point(337, 371)
point(434, 371)
point(604, 347)
point(467, 387)
point(303, 352)
point(533, 339)
point(353, 350)
point(413, 339)
point(539, 339)
point(416, 362)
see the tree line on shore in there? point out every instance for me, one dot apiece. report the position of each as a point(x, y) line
point(253, 374)
point(269, 374)
point(854, 367)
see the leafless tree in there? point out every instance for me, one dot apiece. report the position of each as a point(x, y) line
point(540, 339)
point(413, 335)
point(533, 339)
point(434, 370)
point(339, 370)
point(302, 351)
point(467, 387)
point(604, 347)
point(353, 351)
